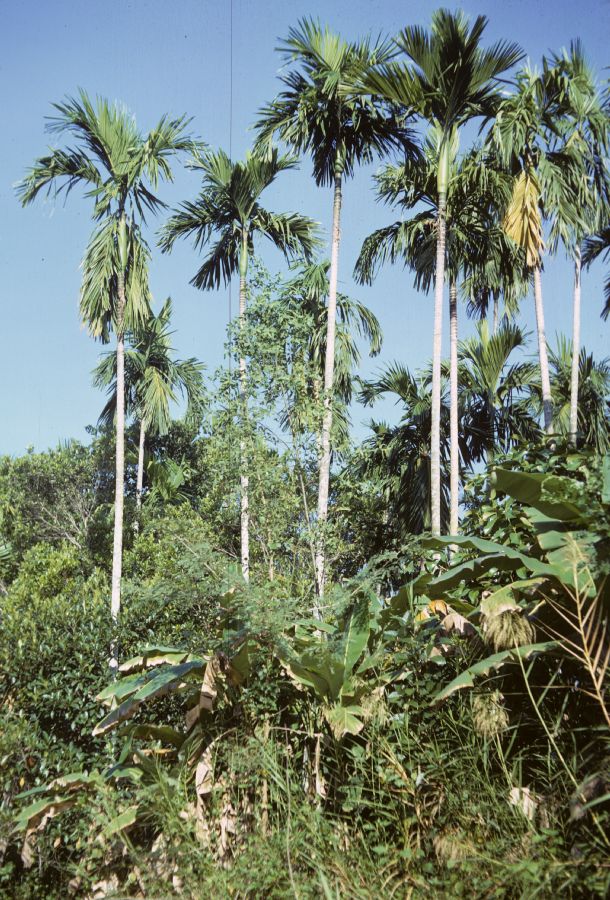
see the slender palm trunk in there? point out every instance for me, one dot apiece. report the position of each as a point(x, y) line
point(453, 421)
point(435, 424)
point(243, 386)
point(329, 372)
point(117, 548)
point(547, 402)
point(575, 352)
point(140, 478)
point(496, 314)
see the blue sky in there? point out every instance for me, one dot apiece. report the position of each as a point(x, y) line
point(175, 57)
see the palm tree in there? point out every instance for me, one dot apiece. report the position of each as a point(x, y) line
point(119, 168)
point(545, 175)
point(228, 209)
point(599, 245)
point(497, 271)
point(323, 112)
point(581, 120)
point(448, 80)
point(494, 392)
point(593, 424)
point(152, 381)
point(398, 457)
point(475, 192)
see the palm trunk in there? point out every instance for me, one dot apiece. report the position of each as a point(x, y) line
point(453, 421)
point(547, 401)
point(243, 385)
point(140, 478)
point(329, 371)
point(117, 548)
point(575, 352)
point(435, 424)
point(496, 314)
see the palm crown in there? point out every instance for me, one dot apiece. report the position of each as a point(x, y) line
point(323, 110)
point(448, 78)
point(152, 376)
point(228, 208)
point(119, 168)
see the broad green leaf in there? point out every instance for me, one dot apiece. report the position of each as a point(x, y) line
point(162, 682)
point(154, 656)
point(159, 733)
point(505, 598)
point(355, 637)
point(536, 489)
point(124, 687)
point(344, 719)
point(305, 677)
point(491, 663)
point(124, 820)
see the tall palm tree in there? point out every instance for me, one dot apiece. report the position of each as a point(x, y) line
point(544, 178)
point(119, 168)
point(152, 381)
point(497, 271)
point(448, 80)
point(582, 120)
point(474, 193)
point(228, 210)
point(595, 245)
point(322, 112)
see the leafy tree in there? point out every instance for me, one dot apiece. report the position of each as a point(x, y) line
point(152, 381)
point(323, 112)
point(306, 295)
point(119, 168)
point(228, 208)
point(448, 80)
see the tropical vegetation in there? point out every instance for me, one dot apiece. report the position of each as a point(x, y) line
point(248, 654)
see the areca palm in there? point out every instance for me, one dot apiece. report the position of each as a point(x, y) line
point(583, 122)
point(398, 457)
point(323, 112)
point(545, 174)
point(228, 210)
point(119, 169)
point(475, 191)
point(593, 424)
point(448, 79)
point(494, 392)
point(153, 379)
point(596, 245)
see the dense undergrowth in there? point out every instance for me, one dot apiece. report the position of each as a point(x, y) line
point(448, 738)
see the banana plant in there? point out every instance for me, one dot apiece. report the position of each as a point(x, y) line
point(559, 578)
point(332, 660)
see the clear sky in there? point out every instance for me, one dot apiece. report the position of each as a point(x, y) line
point(156, 57)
